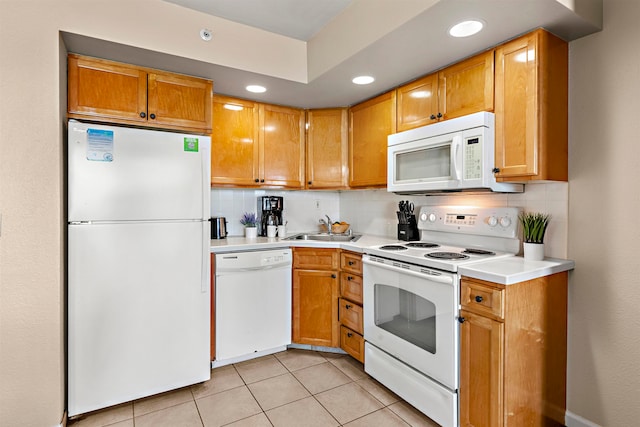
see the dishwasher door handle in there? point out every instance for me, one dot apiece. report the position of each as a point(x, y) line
point(262, 267)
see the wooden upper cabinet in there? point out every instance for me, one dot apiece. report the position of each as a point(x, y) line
point(460, 89)
point(369, 125)
point(283, 147)
point(179, 101)
point(532, 108)
point(327, 148)
point(100, 90)
point(256, 144)
point(466, 87)
point(418, 103)
point(112, 92)
point(234, 142)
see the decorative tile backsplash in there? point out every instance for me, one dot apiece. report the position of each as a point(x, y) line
point(374, 211)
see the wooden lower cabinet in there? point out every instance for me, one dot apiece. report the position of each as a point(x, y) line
point(351, 311)
point(352, 343)
point(315, 297)
point(513, 352)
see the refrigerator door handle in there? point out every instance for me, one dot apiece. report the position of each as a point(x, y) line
point(204, 283)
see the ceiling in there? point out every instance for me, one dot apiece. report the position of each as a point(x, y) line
point(410, 47)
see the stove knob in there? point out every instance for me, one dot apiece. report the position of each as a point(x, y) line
point(432, 217)
point(492, 221)
point(505, 221)
point(423, 217)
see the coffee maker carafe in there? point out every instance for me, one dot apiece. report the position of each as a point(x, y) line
point(269, 212)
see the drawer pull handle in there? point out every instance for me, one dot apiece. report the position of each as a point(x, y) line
point(351, 262)
point(349, 278)
point(479, 298)
point(348, 306)
point(461, 319)
point(349, 334)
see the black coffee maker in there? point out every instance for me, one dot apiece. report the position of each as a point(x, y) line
point(269, 212)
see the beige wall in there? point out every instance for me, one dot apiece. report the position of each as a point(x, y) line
point(604, 235)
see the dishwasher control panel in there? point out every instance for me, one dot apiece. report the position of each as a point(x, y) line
point(253, 260)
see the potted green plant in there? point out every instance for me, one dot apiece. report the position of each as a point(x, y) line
point(534, 226)
point(250, 223)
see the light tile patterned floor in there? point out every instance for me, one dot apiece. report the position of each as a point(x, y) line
point(295, 388)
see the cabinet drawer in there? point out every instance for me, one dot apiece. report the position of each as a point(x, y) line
point(315, 259)
point(482, 299)
point(351, 262)
point(350, 315)
point(352, 343)
point(351, 287)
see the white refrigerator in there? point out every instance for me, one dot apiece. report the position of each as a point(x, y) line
point(138, 307)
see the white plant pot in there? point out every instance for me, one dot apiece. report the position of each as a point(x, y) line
point(251, 232)
point(534, 251)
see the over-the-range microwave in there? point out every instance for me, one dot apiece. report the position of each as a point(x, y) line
point(451, 156)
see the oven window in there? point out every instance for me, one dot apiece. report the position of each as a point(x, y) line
point(406, 315)
point(428, 163)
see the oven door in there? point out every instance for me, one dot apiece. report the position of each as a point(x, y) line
point(410, 313)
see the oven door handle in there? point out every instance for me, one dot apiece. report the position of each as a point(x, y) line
point(447, 280)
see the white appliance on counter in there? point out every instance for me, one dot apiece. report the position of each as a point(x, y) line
point(253, 304)
point(451, 156)
point(138, 263)
point(411, 302)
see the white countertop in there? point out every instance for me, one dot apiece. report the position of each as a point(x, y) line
point(237, 243)
point(508, 271)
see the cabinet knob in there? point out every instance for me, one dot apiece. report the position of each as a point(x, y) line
point(349, 278)
point(333, 276)
point(309, 182)
point(351, 262)
point(143, 114)
point(152, 116)
point(348, 306)
point(256, 180)
point(479, 298)
point(495, 170)
point(262, 180)
point(439, 115)
point(432, 117)
point(461, 319)
point(349, 334)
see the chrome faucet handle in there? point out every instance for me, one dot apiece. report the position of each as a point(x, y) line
point(328, 224)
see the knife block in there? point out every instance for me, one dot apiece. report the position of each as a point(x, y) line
point(409, 232)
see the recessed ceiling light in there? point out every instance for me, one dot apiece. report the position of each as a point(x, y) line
point(256, 88)
point(363, 80)
point(466, 28)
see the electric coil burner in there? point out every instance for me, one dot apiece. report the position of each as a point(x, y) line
point(477, 252)
point(393, 248)
point(423, 245)
point(446, 255)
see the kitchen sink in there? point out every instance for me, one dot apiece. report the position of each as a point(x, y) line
point(325, 237)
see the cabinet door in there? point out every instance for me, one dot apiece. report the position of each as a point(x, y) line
point(234, 142)
point(466, 87)
point(282, 148)
point(516, 107)
point(102, 89)
point(418, 103)
point(315, 308)
point(327, 148)
point(352, 343)
point(369, 125)
point(481, 371)
point(179, 101)
point(350, 315)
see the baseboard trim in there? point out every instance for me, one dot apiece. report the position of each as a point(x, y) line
point(573, 420)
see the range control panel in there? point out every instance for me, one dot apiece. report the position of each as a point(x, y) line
point(492, 221)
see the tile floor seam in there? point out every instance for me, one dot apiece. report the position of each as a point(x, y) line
point(195, 403)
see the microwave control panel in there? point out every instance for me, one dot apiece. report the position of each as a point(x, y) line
point(473, 158)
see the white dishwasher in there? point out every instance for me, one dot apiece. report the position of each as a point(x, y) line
point(252, 304)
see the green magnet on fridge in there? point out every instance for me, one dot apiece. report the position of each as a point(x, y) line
point(191, 144)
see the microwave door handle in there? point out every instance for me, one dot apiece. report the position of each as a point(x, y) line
point(456, 156)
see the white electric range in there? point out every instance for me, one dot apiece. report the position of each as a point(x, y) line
point(411, 302)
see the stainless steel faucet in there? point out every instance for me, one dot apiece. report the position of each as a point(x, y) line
point(329, 224)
